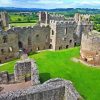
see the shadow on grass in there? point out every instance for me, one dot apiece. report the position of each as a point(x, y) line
point(44, 77)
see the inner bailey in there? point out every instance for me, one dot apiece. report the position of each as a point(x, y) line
point(51, 32)
point(55, 89)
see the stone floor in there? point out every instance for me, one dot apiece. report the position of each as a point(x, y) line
point(14, 87)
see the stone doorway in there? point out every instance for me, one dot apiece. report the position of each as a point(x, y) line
point(20, 45)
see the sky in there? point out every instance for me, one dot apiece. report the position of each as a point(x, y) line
point(49, 4)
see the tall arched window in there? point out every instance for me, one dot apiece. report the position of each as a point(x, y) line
point(5, 39)
point(65, 31)
point(20, 44)
point(29, 41)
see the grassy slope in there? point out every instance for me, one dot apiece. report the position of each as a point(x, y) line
point(59, 64)
point(22, 24)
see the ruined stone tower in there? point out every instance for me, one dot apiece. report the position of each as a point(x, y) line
point(61, 34)
point(90, 47)
point(4, 20)
point(83, 25)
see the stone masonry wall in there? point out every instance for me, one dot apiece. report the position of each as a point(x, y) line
point(22, 70)
point(90, 47)
point(26, 70)
point(4, 78)
point(62, 34)
point(54, 89)
point(8, 45)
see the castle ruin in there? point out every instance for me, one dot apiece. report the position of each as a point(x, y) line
point(51, 32)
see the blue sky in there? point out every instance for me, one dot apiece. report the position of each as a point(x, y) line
point(51, 3)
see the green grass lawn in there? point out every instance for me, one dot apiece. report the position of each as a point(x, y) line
point(22, 24)
point(59, 64)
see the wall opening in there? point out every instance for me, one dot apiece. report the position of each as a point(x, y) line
point(29, 41)
point(75, 44)
point(20, 44)
point(0, 61)
point(52, 32)
point(37, 35)
point(38, 48)
point(60, 47)
point(67, 46)
point(70, 41)
point(66, 31)
point(5, 39)
point(2, 51)
point(50, 46)
point(85, 59)
point(10, 49)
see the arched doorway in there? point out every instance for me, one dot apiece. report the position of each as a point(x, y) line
point(50, 46)
point(20, 44)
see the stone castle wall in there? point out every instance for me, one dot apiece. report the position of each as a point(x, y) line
point(28, 38)
point(55, 89)
point(90, 47)
point(26, 70)
point(4, 78)
point(8, 45)
point(62, 33)
point(52, 32)
point(4, 20)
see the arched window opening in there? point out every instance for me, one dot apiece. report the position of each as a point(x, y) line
point(38, 48)
point(75, 44)
point(50, 46)
point(10, 49)
point(5, 39)
point(52, 32)
point(60, 47)
point(0, 61)
point(29, 41)
point(85, 59)
point(67, 46)
point(70, 41)
point(2, 51)
point(65, 31)
point(37, 35)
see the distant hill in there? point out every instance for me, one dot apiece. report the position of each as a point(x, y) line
point(70, 10)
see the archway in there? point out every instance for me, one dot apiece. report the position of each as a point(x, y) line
point(50, 46)
point(20, 44)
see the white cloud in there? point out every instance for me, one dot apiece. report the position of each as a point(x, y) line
point(51, 3)
point(5, 2)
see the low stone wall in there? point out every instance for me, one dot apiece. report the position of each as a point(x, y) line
point(54, 89)
point(34, 73)
point(4, 77)
point(24, 70)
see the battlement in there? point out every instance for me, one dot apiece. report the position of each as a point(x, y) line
point(62, 22)
point(56, 15)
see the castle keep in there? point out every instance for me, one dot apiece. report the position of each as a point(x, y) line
point(51, 32)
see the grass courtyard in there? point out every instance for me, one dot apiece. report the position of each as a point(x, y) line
point(59, 64)
point(22, 24)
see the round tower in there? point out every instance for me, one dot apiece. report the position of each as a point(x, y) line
point(90, 47)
